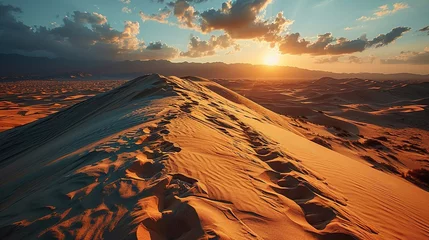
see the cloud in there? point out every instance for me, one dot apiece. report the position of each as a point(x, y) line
point(185, 13)
point(425, 29)
point(326, 44)
point(345, 59)
point(385, 39)
point(126, 10)
point(361, 60)
point(409, 57)
point(158, 50)
point(352, 28)
point(200, 48)
point(90, 18)
point(242, 19)
point(323, 60)
point(189, 1)
point(383, 11)
point(126, 1)
point(161, 16)
point(82, 35)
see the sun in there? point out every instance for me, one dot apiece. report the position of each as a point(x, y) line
point(271, 59)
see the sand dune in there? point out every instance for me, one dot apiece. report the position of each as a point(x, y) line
point(185, 158)
point(381, 123)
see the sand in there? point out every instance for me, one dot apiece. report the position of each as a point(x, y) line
point(22, 102)
point(381, 123)
point(185, 158)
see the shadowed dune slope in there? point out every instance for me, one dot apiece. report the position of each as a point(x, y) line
point(185, 158)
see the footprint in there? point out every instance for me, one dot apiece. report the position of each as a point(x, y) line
point(170, 117)
point(288, 181)
point(178, 221)
point(181, 185)
point(153, 154)
point(282, 166)
point(317, 215)
point(169, 147)
point(163, 122)
point(164, 131)
point(298, 194)
point(186, 107)
point(263, 151)
point(144, 169)
point(153, 137)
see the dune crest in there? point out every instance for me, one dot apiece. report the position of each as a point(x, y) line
point(185, 158)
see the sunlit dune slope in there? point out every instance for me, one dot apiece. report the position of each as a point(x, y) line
point(184, 158)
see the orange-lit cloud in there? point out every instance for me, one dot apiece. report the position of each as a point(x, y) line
point(384, 10)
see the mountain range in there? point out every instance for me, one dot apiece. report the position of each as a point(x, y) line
point(16, 67)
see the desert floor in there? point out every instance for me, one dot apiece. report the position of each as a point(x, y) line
point(22, 102)
point(187, 158)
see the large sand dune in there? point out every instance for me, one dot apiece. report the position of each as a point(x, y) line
point(185, 158)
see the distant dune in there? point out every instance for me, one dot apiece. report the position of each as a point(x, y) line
point(186, 158)
point(22, 67)
point(26, 101)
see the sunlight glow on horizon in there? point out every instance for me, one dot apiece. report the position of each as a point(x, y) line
point(271, 59)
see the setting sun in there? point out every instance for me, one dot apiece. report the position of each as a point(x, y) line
point(271, 59)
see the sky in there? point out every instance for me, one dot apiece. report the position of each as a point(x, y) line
point(332, 35)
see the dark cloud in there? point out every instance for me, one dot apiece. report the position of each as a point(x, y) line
point(345, 46)
point(384, 39)
point(200, 48)
point(155, 45)
point(326, 44)
point(185, 13)
point(241, 20)
point(156, 50)
point(425, 29)
point(182, 9)
point(82, 35)
point(7, 18)
point(409, 57)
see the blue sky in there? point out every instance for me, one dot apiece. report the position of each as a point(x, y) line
point(310, 18)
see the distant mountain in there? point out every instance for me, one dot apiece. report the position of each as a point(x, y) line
point(15, 66)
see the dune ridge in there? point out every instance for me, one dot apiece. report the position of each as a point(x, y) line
point(185, 158)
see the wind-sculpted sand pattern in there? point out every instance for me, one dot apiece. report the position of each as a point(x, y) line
point(22, 102)
point(381, 123)
point(170, 158)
